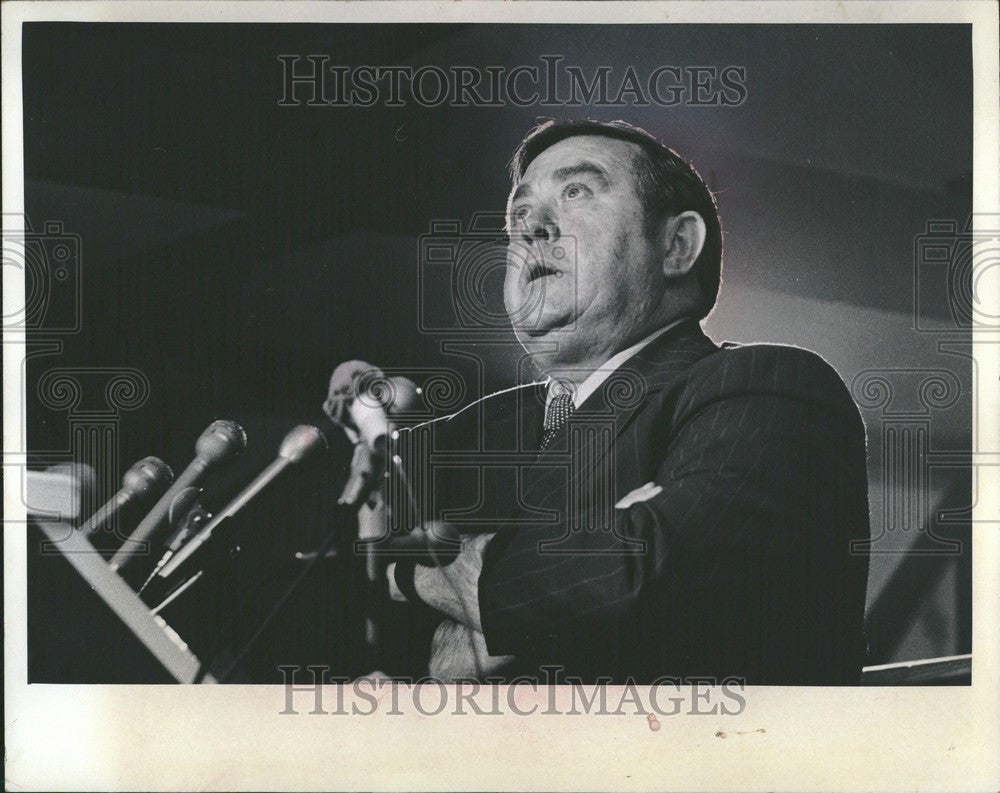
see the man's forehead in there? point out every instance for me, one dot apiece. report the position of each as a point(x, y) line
point(609, 153)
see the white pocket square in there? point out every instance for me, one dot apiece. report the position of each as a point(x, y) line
point(644, 493)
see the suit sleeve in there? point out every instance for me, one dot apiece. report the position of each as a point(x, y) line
point(761, 461)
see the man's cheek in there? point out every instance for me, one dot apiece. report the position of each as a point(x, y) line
point(511, 296)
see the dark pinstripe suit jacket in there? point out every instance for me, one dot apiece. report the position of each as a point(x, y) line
point(736, 561)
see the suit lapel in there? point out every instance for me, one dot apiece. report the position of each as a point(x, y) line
point(612, 408)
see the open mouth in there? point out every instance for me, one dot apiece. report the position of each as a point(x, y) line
point(536, 271)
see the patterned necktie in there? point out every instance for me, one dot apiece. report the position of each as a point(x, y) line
point(557, 412)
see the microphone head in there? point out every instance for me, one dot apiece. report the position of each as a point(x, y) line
point(82, 474)
point(347, 381)
point(405, 396)
point(344, 376)
point(222, 440)
point(300, 442)
point(150, 473)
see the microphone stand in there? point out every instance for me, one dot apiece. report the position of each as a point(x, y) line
point(218, 557)
point(342, 514)
point(346, 509)
point(366, 466)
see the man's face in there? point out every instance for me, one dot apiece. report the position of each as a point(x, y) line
point(579, 258)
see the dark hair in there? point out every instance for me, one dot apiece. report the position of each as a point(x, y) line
point(668, 185)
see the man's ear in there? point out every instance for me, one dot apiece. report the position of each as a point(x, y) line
point(684, 237)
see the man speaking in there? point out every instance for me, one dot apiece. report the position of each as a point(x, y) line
point(690, 510)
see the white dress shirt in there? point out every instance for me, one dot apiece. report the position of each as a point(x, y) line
point(590, 385)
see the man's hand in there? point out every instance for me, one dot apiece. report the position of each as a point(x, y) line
point(459, 653)
point(458, 650)
point(454, 589)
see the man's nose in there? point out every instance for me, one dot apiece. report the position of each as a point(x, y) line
point(540, 228)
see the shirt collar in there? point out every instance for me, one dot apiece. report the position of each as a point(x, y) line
point(580, 393)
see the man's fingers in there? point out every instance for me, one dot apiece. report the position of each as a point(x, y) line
point(475, 543)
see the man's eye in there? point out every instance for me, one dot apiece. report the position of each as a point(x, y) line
point(519, 214)
point(573, 191)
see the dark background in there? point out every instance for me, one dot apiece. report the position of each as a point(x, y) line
point(234, 251)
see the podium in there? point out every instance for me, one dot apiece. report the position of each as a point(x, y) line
point(114, 614)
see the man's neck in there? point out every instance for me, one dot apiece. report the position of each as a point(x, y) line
point(582, 378)
point(576, 362)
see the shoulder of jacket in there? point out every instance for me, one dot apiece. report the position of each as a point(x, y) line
point(765, 368)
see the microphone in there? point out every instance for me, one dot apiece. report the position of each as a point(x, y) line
point(361, 399)
point(220, 442)
point(59, 491)
point(406, 395)
point(302, 442)
point(146, 479)
point(378, 401)
point(186, 516)
point(347, 381)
